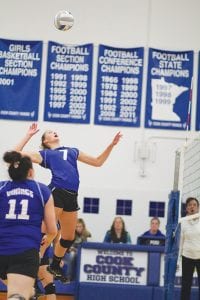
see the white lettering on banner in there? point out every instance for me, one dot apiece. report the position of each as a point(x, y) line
point(19, 56)
point(170, 56)
point(69, 67)
point(69, 50)
point(69, 88)
point(19, 48)
point(19, 61)
point(170, 64)
point(164, 96)
point(7, 81)
point(20, 66)
point(128, 99)
point(170, 72)
point(113, 266)
point(70, 59)
point(120, 53)
point(75, 114)
point(166, 124)
point(120, 69)
point(118, 85)
point(169, 89)
point(19, 71)
point(17, 113)
point(119, 61)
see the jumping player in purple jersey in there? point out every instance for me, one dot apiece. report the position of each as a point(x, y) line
point(24, 204)
point(62, 162)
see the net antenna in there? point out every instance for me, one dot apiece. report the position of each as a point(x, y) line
point(189, 109)
point(176, 171)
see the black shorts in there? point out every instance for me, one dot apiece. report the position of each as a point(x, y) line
point(24, 263)
point(68, 200)
point(44, 261)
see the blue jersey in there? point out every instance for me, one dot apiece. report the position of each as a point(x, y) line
point(157, 234)
point(21, 214)
point(62, 162)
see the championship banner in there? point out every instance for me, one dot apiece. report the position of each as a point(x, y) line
point(20, 73)
point(119, 86)
point(68, 83)
point(169, 89)
point(113, 266)
point(198, 99)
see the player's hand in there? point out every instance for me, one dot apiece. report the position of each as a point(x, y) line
point(43, 245)
point(117, 138)
point(33, 129)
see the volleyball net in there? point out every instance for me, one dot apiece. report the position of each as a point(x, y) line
point(187, 170)
point(186, 184)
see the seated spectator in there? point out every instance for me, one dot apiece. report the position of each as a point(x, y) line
point(81, 235)
point(117, 232)
point(154, 228)
point(153, 236)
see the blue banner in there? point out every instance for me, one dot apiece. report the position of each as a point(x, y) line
point(20, 73)
point(119, 86)
point(198, 99)
point(68, 83)
point(169, 86)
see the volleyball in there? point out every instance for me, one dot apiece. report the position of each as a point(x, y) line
point(63, 20)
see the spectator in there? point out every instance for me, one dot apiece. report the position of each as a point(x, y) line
point(117, 233)
point(154, 228)
point(189, 249)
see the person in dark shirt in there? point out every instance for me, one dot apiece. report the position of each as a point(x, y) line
point(117, 232)
point(154, 228)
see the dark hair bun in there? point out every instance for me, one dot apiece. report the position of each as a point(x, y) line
point(12, 157)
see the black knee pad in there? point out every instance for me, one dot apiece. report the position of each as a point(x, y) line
point(66, 243)
point(50, 289)
point(16, 296)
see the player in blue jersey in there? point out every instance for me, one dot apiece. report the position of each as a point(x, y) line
point(62, 162)
point(24, 204)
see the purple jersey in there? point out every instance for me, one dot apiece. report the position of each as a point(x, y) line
point(62, 163)
point(21, 214)
point(158, 233)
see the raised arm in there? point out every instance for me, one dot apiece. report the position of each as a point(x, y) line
point(34, 156)
point(32, 130)
point(99, 160)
